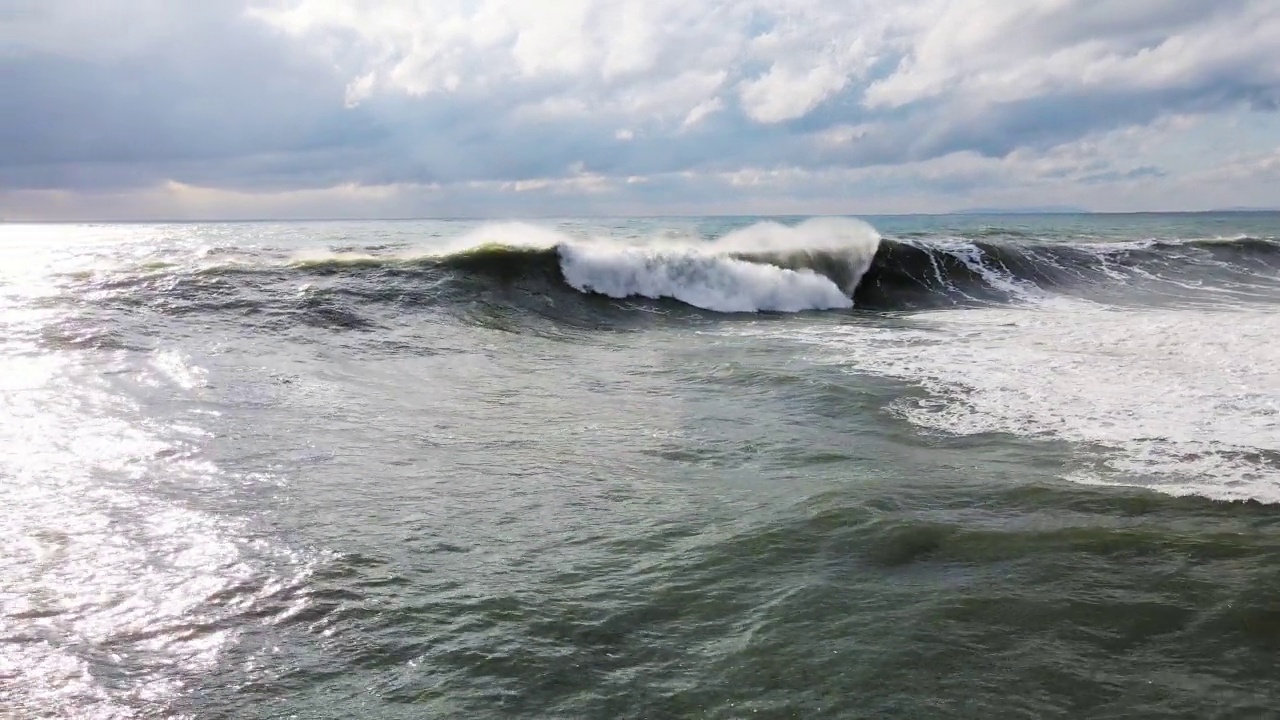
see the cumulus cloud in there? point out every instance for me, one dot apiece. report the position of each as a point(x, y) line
point(500, 104)
point(1002, 53)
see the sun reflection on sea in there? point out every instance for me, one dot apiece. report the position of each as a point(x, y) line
point(106, 588)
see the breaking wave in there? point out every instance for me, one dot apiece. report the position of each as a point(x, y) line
point(819, 264)
point(768, 267)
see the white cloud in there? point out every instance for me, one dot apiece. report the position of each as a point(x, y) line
point(604, 51)
point(1253, 168)
point(701, 111)
point(844, 134)
point(787, 57)
point(1003, 52)
point(931, 102)
point(788, 93)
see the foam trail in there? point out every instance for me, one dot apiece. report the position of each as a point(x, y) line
point(1179, 401)
point(995, 276)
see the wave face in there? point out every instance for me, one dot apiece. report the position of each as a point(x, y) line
point(932, 272)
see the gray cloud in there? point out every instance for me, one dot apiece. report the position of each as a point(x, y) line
point(210, 87)
point(304, 94)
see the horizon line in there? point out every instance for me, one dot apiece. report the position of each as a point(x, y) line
point(682, 216)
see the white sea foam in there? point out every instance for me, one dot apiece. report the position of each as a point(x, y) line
point(971, 256)
point(698, 278)
point(1186, 402)
point(829, 234)
point(711, 275)
point(708, 274)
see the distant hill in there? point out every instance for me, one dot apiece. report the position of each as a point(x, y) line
point(1036, 210)
point(1245, 209)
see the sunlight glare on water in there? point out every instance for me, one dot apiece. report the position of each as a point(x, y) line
point(98, 572)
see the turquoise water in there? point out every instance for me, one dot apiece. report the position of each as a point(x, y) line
point(920, 467)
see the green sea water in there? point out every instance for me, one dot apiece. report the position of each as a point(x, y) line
point(949, 467)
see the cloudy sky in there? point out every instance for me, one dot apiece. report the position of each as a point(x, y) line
point(376, 108)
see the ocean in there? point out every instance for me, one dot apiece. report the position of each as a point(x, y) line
point(917, 467)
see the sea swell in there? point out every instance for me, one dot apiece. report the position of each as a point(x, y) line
point(819, 264)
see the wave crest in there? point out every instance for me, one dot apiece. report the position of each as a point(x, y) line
point(765, 267)
point(707, 281)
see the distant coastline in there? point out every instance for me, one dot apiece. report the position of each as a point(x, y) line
point(1074, 210)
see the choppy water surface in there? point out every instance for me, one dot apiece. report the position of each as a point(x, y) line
point(712, 468)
